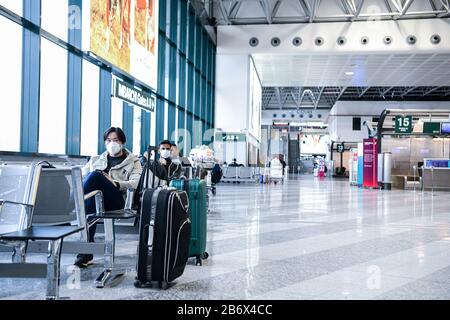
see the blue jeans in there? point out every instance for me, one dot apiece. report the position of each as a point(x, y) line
point(112, 197)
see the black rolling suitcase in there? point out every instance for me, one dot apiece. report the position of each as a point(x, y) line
point(162, 256)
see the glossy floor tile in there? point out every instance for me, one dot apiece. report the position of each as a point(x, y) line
point(305, 239)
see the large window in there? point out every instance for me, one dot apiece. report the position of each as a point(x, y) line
point(10, 85)
point(90, 109)
point(137, 119)
point(153, 128)
point(15, 6)
point(53, 99)
point(116, 113)
point(55, 17)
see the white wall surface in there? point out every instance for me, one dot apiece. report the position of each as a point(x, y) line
point(234, 39)
point(231, 92)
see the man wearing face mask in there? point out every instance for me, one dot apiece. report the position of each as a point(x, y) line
point(113, 172)
point(172, 168)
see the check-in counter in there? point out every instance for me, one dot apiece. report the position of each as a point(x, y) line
point(436, 179)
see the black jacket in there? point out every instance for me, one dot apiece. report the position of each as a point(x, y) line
point(171, 172)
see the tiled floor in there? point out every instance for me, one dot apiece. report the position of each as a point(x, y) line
point(306, 239)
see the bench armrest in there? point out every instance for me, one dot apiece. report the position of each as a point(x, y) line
point(15, 203)
point(129, 199)
point(99, 207)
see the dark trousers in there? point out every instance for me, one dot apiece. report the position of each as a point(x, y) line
point(112, 197)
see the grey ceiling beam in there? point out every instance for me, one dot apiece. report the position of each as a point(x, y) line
point(431, 90)
point(275, 8)
point(318, 98)
point(235, 9)
point(363, 92)
point(224, 12)
point(358, 10)
point(445, 4)
point(446, 7)
point(292, 20)
point(350, 5)
point(388, 5)
point(314, 8)
point(405, 8)
point(265, 5)
point(386, 91)
point(345, 7)
point(305, 8)
point(278, 95)
point(408, 91)
point(341, 93)
point(433, 6)
point(295, 99)
point(397, 5)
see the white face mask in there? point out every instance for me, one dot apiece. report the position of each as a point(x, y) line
point(113, 148)
point(165, 154)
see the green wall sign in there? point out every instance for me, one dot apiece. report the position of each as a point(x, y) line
point(130, 94)
point(403, 124)
point(236, 137)
point(432, 127)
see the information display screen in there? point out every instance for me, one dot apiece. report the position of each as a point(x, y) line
point(437, 163)
point(445, 128)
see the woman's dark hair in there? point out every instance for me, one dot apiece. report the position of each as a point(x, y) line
point(118, 131)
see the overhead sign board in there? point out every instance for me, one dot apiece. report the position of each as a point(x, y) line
point(233, 137)
point(130, 94)
point(403, 124)
point(432, 127)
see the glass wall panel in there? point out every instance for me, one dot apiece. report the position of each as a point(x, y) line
point(55, 17)
point(10, 85)
point(53, 99)
point(90, 108)
point(15, 6)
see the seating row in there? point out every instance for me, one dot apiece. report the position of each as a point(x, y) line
point(41, 206)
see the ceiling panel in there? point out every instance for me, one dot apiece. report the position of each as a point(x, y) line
point(368, 70)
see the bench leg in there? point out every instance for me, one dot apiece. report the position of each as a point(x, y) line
point(19, 253)
point(107, 275)
point(53, 269)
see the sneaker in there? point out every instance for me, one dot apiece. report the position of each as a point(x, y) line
point(84, 260)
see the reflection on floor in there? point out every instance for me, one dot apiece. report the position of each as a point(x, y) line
point(306, 239)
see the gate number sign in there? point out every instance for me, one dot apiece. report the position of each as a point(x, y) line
point(403, 124)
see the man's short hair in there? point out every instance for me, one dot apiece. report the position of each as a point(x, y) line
point(165, 142)
point(118, 131)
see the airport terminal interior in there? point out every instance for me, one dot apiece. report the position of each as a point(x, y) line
point(225, 150)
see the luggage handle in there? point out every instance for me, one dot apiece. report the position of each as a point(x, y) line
point(149, 152)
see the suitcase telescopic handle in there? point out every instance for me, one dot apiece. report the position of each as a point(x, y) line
point(149, 152)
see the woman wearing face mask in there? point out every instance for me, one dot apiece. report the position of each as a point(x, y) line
point(113, 172)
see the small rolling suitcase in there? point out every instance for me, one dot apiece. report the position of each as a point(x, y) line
point(196, 190)
point(163, 254)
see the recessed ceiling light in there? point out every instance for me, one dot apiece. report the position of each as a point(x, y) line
point(349, 73)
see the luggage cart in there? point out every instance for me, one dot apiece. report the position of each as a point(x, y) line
point(276, 172)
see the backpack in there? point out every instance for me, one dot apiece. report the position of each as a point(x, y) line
point(216, 174)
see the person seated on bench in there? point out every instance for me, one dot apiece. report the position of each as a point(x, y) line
point(113, 173)
point(234, 163)
point(166, 168)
